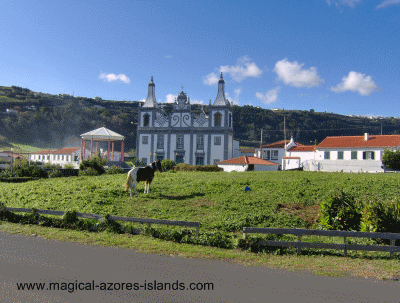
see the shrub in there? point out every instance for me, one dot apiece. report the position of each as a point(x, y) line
point(341, 212)
point(69, 166)
point(88, 171)
point(55, 174)
point(96, 163)
point(167, 164)
point(24, 169)
point(70, 217)
point(206, 168)
point(113, 170)
point(379, 216)
point(391, 159)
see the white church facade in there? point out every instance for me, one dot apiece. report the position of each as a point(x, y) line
point(183, 137)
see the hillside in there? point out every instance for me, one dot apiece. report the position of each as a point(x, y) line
point(55, 121)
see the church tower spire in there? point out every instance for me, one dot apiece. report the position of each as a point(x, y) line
point(220, 100)
point(151, 95)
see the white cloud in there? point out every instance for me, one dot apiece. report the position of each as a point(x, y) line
point(143, 100)
point(338, 3)
point(210, 79)
point(114, 77)
point(243, 69)
point(170, 98)
point(293, 74)
point(356, 82)
point(387, 3)
point(270, 97)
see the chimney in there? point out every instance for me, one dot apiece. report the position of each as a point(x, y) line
point(366, 137)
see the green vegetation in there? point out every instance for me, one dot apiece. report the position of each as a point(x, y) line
point(93, 166)
point(57, 121)
point(391, 159)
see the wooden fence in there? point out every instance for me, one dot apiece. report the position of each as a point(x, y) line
point(328, 233)
point(111, 218)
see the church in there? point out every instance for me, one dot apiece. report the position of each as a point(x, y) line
point(183, 137)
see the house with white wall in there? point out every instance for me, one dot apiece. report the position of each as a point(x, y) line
point(354, 153)
point(64, 156)
point(299, 157)
point(247, 163)
point(274, 152)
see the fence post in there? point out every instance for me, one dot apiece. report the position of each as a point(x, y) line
point(345, 249)
point(244, 235)
point(299, 240)
point(392, 243)
point(197, 231)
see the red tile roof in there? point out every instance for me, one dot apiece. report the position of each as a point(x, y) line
point(44, 152)
point(244, 160)
point(279, 144)
point(66, 150)
point(302, 148)
point(247, 150)
point(358, 141)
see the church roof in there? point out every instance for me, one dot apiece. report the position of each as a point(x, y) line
point(221, 100)
point(151, 96)
point(102, 133)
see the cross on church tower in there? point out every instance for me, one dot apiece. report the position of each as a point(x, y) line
point(182, 87)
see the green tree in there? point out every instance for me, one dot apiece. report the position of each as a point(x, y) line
point(391, 159)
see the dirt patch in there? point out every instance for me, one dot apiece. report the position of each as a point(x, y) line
point(308, 213)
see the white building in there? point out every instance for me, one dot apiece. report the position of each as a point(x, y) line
point(354, 153)
point(275, 151)
point(63, 156)
point(302, 156)
point(248, 163)
point(181, 136)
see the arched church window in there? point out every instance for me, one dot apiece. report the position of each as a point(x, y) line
point(217, 119)
point(146, 120)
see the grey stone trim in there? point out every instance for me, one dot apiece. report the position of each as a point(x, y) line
point(180, 152)
point(191, 150)
point(137, 144)
point(199, 154)
point(209, 149)
point(151, 148)
point(165, 130)
point(225, 147)
point(168, 145)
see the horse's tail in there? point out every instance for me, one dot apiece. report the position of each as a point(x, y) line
point(128, 181)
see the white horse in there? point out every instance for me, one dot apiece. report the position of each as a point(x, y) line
point(146, 174)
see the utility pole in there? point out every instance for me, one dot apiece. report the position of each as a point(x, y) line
point(284, 131)
point(261, 154)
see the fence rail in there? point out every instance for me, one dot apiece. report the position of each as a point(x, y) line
point(328, 233)
point(111, 218)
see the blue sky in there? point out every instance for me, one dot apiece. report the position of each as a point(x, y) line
point(338, 56)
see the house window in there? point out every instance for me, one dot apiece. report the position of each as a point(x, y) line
point(327, 155)
point(217, 119)
point(369, 155)
point(200, 142)
point(217, 140)
point(199, 160)
point(62, 158)
point(267, 154)
point(340, 155)
point(274, 155)
point(160, 142)
point(179, 142)
point(179, 159)
point(146, 120)
point(354, 155)
point(144, 161)
point(145, 140)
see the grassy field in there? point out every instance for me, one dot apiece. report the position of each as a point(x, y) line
point(217, 200)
